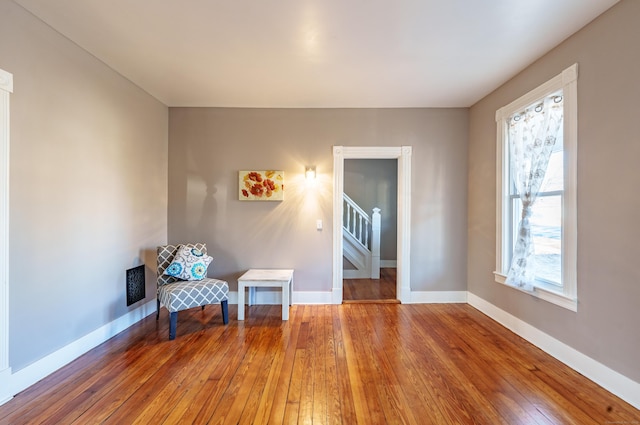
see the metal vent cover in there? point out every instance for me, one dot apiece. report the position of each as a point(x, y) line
point(135, 285)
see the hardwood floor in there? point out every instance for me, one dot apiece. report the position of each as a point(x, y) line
point(369, 290)
point(329, 364)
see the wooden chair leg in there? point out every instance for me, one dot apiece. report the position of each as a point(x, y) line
point(158, 309)
point(225, 311)
point(173, 323)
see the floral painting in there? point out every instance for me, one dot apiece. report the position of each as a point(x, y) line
point(261, 185)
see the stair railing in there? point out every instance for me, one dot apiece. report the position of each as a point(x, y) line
point(366, 230)
point(356, 222)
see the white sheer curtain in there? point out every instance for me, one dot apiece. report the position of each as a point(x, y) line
point(532, 136)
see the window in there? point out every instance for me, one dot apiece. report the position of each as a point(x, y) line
point(536, 191)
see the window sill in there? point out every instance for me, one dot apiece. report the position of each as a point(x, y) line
point(544, 294)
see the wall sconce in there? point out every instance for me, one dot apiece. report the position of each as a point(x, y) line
point(310, 172)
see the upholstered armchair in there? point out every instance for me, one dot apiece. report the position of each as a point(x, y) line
point(182, 282)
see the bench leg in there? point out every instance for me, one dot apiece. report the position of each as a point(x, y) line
point(286, 301)
point(241, 300)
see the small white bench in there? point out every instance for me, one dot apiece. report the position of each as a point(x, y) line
point(255, 278)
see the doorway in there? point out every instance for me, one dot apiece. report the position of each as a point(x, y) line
point(403, 157)
point(370, 186)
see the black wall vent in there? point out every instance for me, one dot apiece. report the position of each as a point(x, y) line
point(135, 285)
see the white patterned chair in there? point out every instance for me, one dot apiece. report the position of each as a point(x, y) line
point(177, 295)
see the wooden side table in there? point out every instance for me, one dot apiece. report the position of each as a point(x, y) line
point(255, 278)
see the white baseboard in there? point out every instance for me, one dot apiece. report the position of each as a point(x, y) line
point(609, 379)
point(269, 296)
point(312, 297)
point(616, 383)
point(389, 264)
point(356, 274)
point(336, 296)
point(5, 393)
point(31, 374)
point(437, 297)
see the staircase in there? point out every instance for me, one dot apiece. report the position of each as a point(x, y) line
point(361, 241)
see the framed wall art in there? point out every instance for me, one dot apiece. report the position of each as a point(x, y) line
point(265, 185)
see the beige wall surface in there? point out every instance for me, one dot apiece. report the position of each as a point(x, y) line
point(207, 147)
point(605, 327)
point(88, 187)
point(373, 183)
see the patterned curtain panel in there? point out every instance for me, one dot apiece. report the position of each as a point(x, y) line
point(532, 136)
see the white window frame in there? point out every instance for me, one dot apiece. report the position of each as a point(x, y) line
point(567, 81)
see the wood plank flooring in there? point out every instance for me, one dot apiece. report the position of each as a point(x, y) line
point(329, 364)
point(370, 290)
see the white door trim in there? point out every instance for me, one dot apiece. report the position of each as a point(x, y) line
point(403, 155)
point(6, 88)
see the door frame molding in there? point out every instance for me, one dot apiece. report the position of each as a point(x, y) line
point(6, 88)
point(403, 155)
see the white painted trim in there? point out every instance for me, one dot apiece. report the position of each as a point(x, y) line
point(311, 297)
point(269, 296)
point(355, 274)
point(6, 88)
point(272, 296)
point(567, 82)
point(31, 374)
point(338, 211)
point(609, 379)
point(544, 294)
point(403, 155)
point(438, 297)
point(618, 384)
point(6, 81)
point(570, 199)
point(388, 264)
point(566, 77)
point(5, 391)
point(403, 276)
point(336, 295)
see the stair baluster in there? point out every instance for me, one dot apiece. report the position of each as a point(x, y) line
point(362, 239)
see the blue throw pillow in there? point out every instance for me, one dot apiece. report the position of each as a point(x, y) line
point(189, 264)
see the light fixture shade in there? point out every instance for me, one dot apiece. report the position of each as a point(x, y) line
point(310, 172)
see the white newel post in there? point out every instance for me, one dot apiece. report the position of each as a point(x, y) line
point(375, 244)
point(6, 88)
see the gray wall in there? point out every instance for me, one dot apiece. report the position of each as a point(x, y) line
point(207, 147)
point(88, 187)
point(606, 324)
point(373, 183)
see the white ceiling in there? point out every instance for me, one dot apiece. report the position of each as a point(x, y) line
point(317, 53)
